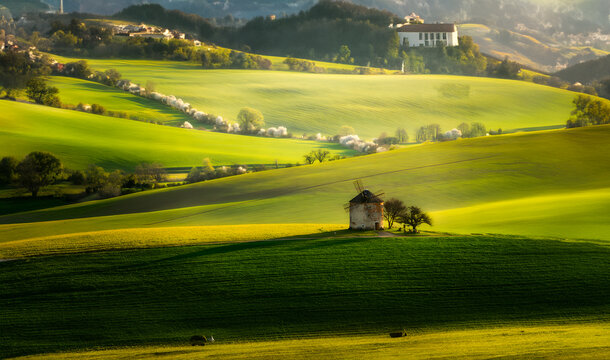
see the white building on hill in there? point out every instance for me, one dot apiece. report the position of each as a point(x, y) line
point(429, 35)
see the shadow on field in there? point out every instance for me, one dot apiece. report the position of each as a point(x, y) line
point(223, 249)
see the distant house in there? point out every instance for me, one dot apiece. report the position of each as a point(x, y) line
point(428, 35)
point(366, 212)
point(413, 19)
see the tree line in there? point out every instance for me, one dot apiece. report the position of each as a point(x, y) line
point(38, 170)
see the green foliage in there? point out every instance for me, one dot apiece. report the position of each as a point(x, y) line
point(97, 109)
point(365, 35)
point(589, 111)
point(477, 129)
point(393, 209)
point(79, 69)
point(220, 58)
point(38, 91)
point(16, 69)
point(150, 173)
point(464, 59)
point(319, 155)
point(302, 65)
point(344, 55)
point(8, 170)
point(95, 178)
point(431, 132)
point(250, 120)
point(401, 135)
point(37, 170)
point(413, 216)
point(505, 69)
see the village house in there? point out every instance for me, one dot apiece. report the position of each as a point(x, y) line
point(366, 212)
point(428, 35)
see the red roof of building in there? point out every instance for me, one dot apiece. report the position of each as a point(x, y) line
point(428, 28)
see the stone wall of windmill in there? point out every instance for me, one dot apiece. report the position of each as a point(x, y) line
point(365, 210)
point(366, 216)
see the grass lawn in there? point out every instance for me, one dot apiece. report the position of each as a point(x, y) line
point(577, 341)
point(312, 103)
point(74, 91)
point(549, 183)
point(266, 290)
point(80, 139)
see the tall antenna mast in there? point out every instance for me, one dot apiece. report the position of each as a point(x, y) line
point(61, 6)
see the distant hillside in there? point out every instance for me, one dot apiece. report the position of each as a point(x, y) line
point(19, 7)
point(535, 50)
point(322, 103)
point(587, 72)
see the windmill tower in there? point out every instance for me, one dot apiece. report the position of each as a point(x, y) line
point(365, 210)
point(61, 6)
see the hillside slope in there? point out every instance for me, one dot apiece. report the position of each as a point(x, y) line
point(80, 139)
point(541, 168)
point(312, 103)
point(538, 52)
point(74, 91)
point(588, 71)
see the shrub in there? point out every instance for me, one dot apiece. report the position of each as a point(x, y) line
point(97, 109)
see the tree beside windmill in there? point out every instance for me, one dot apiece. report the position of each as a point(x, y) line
point(365, 210)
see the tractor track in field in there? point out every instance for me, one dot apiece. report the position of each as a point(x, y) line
point(326, 184)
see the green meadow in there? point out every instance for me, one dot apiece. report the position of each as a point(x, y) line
point(546, 183)
point(322, 103)
point(574, 341)
point(74, 91)
point(80, 139)
point(325, 285)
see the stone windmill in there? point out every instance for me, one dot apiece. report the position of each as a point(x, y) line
point(365, 210)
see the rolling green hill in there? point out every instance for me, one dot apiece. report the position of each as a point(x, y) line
point(321, 286)
point(79, 139)
point(74, 91)
point(530, 183)
point(312, 103)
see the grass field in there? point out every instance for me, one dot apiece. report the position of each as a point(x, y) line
point(579, 341)
point(80, 139)
point(327, 286)
point(549, 183)
point(74, 91)
point(312, 103)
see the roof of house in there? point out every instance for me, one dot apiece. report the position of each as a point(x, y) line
point(366, 197)
point(428, 28)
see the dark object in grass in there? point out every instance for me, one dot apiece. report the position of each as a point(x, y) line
point(198, 340)
point(398, 334)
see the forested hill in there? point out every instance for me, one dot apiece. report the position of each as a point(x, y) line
point(588, 71)
point(319, 32)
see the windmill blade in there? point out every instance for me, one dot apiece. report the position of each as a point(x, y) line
point(358, 185)
point(379, 193)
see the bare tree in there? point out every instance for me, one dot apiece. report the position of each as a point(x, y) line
point(393, 208)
